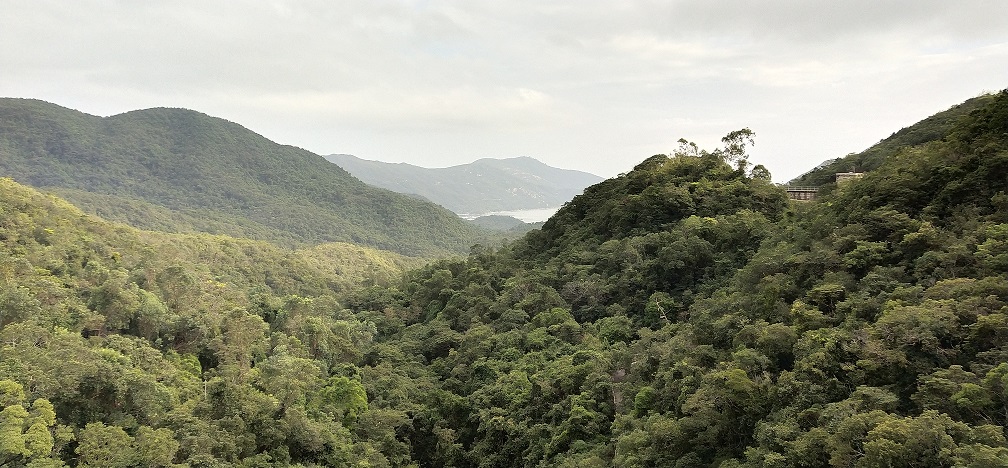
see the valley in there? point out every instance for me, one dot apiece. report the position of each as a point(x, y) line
point(176, 290)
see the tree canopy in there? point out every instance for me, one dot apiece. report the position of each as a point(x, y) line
point(683, 314)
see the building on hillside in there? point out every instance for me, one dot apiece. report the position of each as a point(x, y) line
point(809, 193)
point(843, 177)
point(801, 193)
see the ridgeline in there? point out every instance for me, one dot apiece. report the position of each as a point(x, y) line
point(182, 171)
point(684, 314)
point(480, 187)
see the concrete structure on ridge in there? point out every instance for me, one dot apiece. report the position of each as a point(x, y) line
point(809, 193)
point(844, 177)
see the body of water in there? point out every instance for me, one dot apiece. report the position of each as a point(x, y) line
point(529, 216)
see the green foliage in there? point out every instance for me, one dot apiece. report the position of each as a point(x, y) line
point(932, 129)
point(182, 171)
point(342, 397)
point(28, 433)
point(683, 314)
point(152, 349)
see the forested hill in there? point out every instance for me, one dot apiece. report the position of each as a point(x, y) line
point(483, 186)
point(933, 128)
point(684, 314)
point(179, 170)
point(121, 347)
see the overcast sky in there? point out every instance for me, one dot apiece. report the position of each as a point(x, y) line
point(590, 85)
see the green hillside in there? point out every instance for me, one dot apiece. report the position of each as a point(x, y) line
point(179, 170)
point(933, 128)
point(480, 187)
point(684, 314)
point(105, 328)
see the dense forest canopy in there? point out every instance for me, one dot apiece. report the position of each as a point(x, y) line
point(182, 171)
point(684, 314)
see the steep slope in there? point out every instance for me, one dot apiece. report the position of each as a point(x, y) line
point(933, 128)
point(121, 347)
point(181, 170)
point(685, 315)
point(480, 187)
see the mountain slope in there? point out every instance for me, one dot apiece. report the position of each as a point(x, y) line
point(144, 342)
point(933, 128)
point(483, 186)
point(685, 314)
point(182, 170)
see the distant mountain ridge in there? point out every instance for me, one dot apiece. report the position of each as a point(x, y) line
point(181, 170)
point(483, 186)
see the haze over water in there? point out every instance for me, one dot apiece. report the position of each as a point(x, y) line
point(536, 215)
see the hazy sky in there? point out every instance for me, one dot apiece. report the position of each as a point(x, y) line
point(590, 85)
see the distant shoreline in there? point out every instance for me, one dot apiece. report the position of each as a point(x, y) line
point(534, 215)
